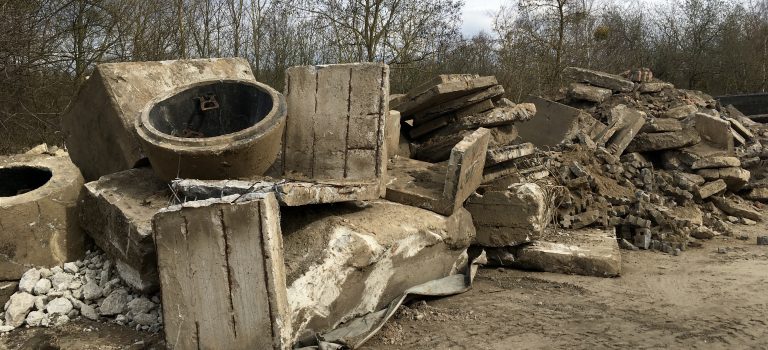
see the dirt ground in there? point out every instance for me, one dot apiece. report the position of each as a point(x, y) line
point(713, 297)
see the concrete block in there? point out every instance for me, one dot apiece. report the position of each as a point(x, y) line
point(734, 177)
point(38, 213)
point(680, 112)
point(714, 130)
point(710, 189)
point(347, 260)
point(588, 93)
point(737, 207)
point(99, 126)
point(629, 121)
point(392, 133)
point(651, 87)
point(560, 121)
point(441, 188)
point(661, 125)
point(509, 217)
point(759, 194)
point(116, 211)
point(590, 252)
point(601, 79)
point(664, 140)
point(223, 275)
point(716, 162)
point(506, 153)
point(335, 128)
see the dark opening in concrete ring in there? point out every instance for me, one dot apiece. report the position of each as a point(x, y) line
point(22, 179)
point(217, 129)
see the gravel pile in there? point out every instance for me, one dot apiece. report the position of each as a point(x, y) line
point(89, 288)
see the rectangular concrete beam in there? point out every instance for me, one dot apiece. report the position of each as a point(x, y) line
point(223, 275)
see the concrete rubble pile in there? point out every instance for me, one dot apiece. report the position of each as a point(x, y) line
point(240, 217)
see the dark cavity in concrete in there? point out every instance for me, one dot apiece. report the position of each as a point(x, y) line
point(19, 180)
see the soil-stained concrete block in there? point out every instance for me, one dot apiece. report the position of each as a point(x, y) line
point(99, 126)
point(590, 252)
point(710, 188)
point(335, 128)
point(116, 211)
point(590, 93)
point(38, 213)
point(223, 275)
point(660, 141)
point(716, 162)
point(734, 177)
point(680, 112)
point(509, 217)
point(601, 79)
point(347, 260)
point(737, 207)
point(441, 188)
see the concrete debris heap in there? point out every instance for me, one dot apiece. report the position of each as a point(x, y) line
point(271, 220)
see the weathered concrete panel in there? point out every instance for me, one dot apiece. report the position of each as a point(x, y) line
point(222, 273)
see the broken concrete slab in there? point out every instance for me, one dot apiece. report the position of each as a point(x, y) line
point(710, 189)
point(759, 194)
point(740, 129)
point(116, 211)
point(734, 177)
point(716, 162)
point(560, 121)
point(589, 93)
point(651, 87)
point(589, 252)
point(601, 79)
point(660, 141)
point(441, 188)
point(511, 216)
point(629, 122)
point(680, 112)
point(349, 259)
point(714, 130)
point(737, 207)
point(441, 89)
point(506, 153)
point(223, 275)
point(661, 125)
point(456, 104)
point(498, 116)
point(38, 208)
point(113, 98)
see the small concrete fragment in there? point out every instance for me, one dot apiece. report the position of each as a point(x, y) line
point(716, 162)
point(711, 188)
point(506, 153)
point(601, 79)
point(112, 99)
point(19, 306)
point(509, 217)
point(664, 140)
point(347, 260)
point(222, 274)
point(38, 205)
point(116, 211)
point(589, 252)
point(588, 93)
point(440, 188)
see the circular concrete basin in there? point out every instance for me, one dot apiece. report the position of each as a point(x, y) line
point(22, 179)
point(218, 129)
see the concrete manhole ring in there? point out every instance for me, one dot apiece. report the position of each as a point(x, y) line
point(38, 195)
point(214, 129)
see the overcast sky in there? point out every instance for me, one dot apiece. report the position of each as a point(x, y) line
point(477, 15)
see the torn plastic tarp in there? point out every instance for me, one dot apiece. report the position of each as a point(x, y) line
point(354, 333)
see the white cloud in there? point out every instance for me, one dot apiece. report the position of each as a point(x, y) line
point(478, 15)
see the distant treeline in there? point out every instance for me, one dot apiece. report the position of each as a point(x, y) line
point(48, 47)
